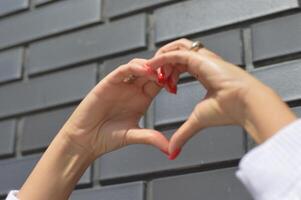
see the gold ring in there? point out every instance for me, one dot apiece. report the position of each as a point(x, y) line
point(197, 45)
point(130, 79)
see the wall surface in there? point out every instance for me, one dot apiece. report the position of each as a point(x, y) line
point(53, 52)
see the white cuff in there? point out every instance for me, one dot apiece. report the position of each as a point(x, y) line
point(270, 170)
point(12, 195)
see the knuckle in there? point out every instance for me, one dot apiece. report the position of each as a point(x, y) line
point(135, 60)
point(182, 40)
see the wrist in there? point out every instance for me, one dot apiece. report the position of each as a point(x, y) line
point(61, 165)
point(264, 112)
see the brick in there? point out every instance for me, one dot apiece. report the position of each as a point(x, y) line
point(117, 7)
point(40, 2)
point(252, 143)
point(11, 6)
point(15, 172)
point(11, 64)
point(7, 136)
point(113, 63)
point(91, 43)
point(39, 129)
point(206, 15)
point(128, 191)
point(47, 91)
point(52, 19)
point(212, 145)
point(276, 37)
point(227, 44)
point(217, 184)
point(86, 177)
point(297, 111)
point(284, 78)
point(188, 95)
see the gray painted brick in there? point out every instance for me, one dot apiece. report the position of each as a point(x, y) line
point(11, 64)
point(10, 6)
point(39, 129)
point(86, 177)
point(197, 16)
point(189, 94)
point(46, 91)
point(252, 143)
point(7, 136)
point(87, 44)
point(211, 145)
point(227, 44)
point(14, 172)
point(284, 78)
point(211, 185)
point(297, 111)
point(277, 37)
point(40, 2)
point(117, 7)
point(112, 64)
point(61, 16)
point(128, 191)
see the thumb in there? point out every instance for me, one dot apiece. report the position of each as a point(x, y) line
point(182, 135)
point(196, 121)
point(147, 136)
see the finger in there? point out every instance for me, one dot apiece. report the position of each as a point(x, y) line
point(151, 89)
point(200, 66)
point(188, 129)
point(181, 44)
point(147, 136)
point(163, 73)
point(172, 81)
point(135, 69)
point(190, 60)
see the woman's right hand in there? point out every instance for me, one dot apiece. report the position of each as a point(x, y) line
point(233, 95)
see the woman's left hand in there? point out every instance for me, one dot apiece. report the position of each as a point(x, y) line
point(107, 119)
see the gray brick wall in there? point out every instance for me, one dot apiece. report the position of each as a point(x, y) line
point(52, 52)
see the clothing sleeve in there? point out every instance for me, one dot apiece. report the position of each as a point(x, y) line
point(12, 195)
point(272, 171)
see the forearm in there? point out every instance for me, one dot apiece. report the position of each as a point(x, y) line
point(265, 113)
point(57, 172)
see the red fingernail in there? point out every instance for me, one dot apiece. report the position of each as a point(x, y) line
point(174, 154)
point(172, 87)
point(165, 152)
point(161, 77)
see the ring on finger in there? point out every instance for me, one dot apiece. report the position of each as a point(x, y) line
point(195, 46)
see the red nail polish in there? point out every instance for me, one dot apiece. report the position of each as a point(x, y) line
point(165, 152)
point(161, 77)
point(172, 87)
point(174, 154)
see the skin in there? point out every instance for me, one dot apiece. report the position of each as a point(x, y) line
point(107, 119)
point(233, 95)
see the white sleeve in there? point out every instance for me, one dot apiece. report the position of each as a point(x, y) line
point(12, 195)
point(272, 171)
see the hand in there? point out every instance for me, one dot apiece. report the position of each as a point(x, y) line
point(233, 95)
point(107, 119)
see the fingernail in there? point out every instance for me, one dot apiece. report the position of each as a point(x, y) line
point(161, 77)
point(172, 87)
point(165, 152)
point(174, 154)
